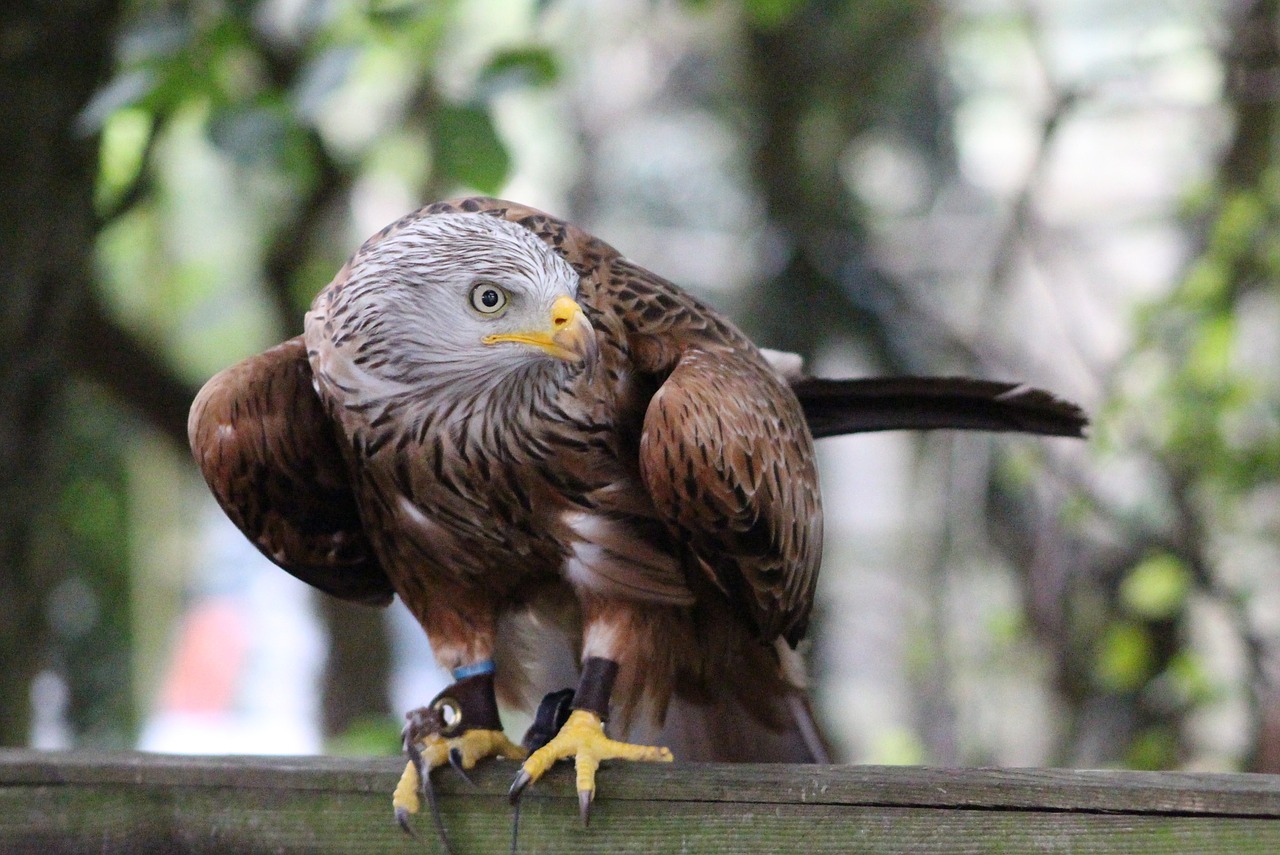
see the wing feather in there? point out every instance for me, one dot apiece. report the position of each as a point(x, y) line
point(726, 457)
point(267, 450)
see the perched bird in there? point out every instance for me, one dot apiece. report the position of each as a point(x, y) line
point(534, 442)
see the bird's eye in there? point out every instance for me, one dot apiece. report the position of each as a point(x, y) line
point(488, 298)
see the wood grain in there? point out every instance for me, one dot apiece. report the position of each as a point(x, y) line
point(138, 804)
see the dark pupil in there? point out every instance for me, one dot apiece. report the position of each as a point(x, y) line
point(489, 298)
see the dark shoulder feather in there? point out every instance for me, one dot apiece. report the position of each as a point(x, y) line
point(267, 450)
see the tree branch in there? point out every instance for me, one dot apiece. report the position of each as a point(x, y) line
point(292, 244)
point(106, 353)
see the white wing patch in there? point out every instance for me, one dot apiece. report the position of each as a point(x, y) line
point(609, 557)
point(789, 365)
point(601, 639)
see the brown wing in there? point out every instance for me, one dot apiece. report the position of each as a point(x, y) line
point(726, 456)
point(267, 449)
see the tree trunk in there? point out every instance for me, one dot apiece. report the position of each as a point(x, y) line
point(52, 58)
point(357, 674)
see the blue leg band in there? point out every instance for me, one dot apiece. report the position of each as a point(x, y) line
point(484, 666)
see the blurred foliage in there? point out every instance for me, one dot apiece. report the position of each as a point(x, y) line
point(89, 608)
point(307, 102)
point(1156, 588)
point(1200, 399)
point(366, 736)
point(246, 147)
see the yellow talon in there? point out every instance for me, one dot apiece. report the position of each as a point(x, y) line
point(472, 746)
point(476, 745)
point(582, 737)
point(405, 799)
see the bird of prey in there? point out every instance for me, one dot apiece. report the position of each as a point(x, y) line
point(500, 419)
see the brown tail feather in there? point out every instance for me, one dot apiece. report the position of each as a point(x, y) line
point(835, 407)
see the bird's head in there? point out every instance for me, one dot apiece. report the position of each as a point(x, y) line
point(453, 296)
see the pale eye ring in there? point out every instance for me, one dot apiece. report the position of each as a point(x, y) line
point(488, 299)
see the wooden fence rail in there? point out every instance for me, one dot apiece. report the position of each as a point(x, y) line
point(140, 804)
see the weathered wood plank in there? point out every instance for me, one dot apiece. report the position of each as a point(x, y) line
point(138, 804)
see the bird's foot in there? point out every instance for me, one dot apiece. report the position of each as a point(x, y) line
point(432, 751)
point(460, 727)
point(582, 738)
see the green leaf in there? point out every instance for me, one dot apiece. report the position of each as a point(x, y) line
point(1243, 215)
point(1156, 588)
point(1007, 626)
point(1124, 659)
point(392, 13)
point(120, 154)
point(366, 735)
point(1153, 749)
point(1205, 282)
point(1209, 360)
point(897, 747)
point(92, 510)
point(467, 149)
point(1189, 678)
point(517, 68)
point(770, 14)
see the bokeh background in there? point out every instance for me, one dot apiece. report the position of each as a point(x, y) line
point(1079, 194)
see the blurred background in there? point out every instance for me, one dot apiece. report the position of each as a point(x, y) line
point(1079, 194)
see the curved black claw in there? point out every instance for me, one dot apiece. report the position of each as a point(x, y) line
point(430, 792)
point(517, 786)
point(584, 806)
point(455, 760)
point(552, 713)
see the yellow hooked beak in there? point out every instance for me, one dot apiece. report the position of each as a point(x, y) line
point(569, 336)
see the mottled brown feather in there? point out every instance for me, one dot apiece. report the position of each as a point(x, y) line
point(726, 456)
point(268, 452)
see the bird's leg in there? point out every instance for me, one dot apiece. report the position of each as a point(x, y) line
point(460, 726)
point(582, 737)
point(552, 713)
